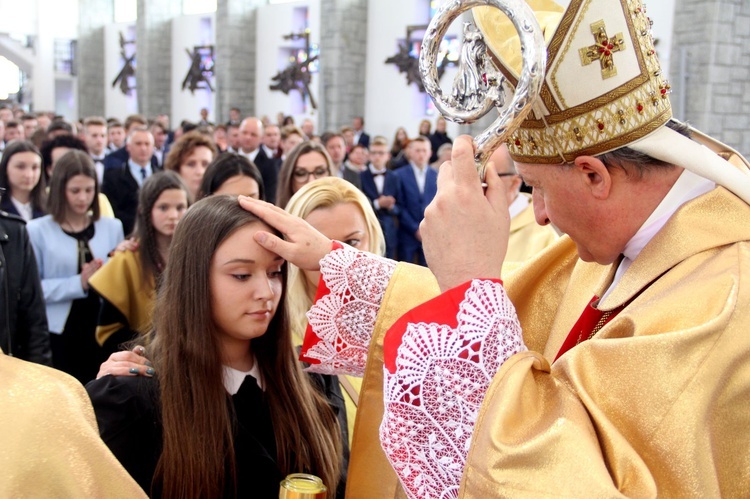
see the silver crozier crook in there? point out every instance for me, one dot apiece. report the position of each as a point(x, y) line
point(479, 85)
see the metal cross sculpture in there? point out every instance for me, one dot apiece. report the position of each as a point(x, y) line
point(128, 68)
point(199, 75)
point(602, 50)
point(297, 75)
point(409, 64)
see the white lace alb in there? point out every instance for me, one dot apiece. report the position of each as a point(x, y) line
point(344, 319)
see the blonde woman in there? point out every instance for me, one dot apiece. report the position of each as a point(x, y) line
point(341, 212)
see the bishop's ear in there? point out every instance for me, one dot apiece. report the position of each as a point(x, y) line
point(594, 175)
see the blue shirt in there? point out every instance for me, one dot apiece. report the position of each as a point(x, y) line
point(137, 170)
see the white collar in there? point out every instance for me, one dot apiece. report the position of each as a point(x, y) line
point(688, 187)
point(518, 205)
point(234, 378)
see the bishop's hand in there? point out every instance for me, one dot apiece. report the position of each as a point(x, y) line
point(465, 229)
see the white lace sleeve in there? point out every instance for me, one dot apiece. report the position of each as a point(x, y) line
point(344, 319)
point(433, 397)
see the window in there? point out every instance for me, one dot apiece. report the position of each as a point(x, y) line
point(198, 6)
point(126, 11)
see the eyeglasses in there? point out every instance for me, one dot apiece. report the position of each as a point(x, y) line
point(304, 175)
point(507, 174)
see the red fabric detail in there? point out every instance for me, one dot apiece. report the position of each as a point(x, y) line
point(585, 325)
point(443, 309)
point(310, 338)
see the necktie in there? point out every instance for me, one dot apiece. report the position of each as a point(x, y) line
point(143, 173)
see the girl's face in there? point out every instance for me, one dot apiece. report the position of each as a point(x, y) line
point(168, 209)
point(240, 185)
point(343, 222)
point(194, 166)
point(246, 284)
point(401, 135)
point(310, 166)
point(79, 194)
point(24, 171)
point(424, 128)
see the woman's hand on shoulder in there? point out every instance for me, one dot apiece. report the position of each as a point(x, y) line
point(126, 245)
point(127, 363)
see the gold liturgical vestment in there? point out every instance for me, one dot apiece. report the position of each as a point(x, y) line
point(49, 440)
point(656, 403)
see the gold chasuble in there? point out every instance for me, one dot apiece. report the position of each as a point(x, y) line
point(49, 441)
point(656, 403)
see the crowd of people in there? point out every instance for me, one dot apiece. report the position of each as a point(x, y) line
point(250, 300)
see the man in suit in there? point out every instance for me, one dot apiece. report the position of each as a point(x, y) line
point(381, 185)
point(335, 144)
point(95, 137)
point(251, 133)
point(120, 156)
point(418, 187)
point(360, 137)
point(122, 184)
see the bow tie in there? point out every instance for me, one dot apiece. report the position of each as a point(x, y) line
point(379, 174)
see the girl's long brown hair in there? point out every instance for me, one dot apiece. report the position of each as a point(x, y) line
point(196, 416)
point(144, 232)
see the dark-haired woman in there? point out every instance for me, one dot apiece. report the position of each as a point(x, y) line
point(308, 161)
point(234, 175)
point(70, 244)
point(128, 283)
point(229, 411)
point(21, 177)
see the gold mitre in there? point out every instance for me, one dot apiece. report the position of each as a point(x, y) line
point(603, 89)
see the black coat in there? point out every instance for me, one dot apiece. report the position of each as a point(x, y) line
point(269, 170)
point(23, 318)
point(122, 191)
point(127, 412)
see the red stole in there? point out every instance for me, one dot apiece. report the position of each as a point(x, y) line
point(588, 324)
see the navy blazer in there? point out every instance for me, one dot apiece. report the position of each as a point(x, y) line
point(411, 202)
point(390, 188)
point(120, 156)
point(7, 206)
point(387, 218)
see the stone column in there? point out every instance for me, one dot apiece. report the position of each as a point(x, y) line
point(93, 15)
point(343, 54)
point(715, 95)
point(154, 55)
point(235, 56)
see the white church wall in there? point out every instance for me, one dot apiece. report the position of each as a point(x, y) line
point(187, 33)
point(273, 55)
point(390, 103)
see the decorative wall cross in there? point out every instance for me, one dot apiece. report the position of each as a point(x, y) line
point(603, 49)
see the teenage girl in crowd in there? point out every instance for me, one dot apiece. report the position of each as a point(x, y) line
point(341, 212)
point(21, 177)
point(232, 174)
point(398, 149)
point(308, 161)
point(128, 283)
point(70, 244)
point(229, 411)
point(189, 157)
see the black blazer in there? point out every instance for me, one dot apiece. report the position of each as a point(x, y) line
point(364, 140)
point(269, 168)
point(7, 206)
point(122, 191)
